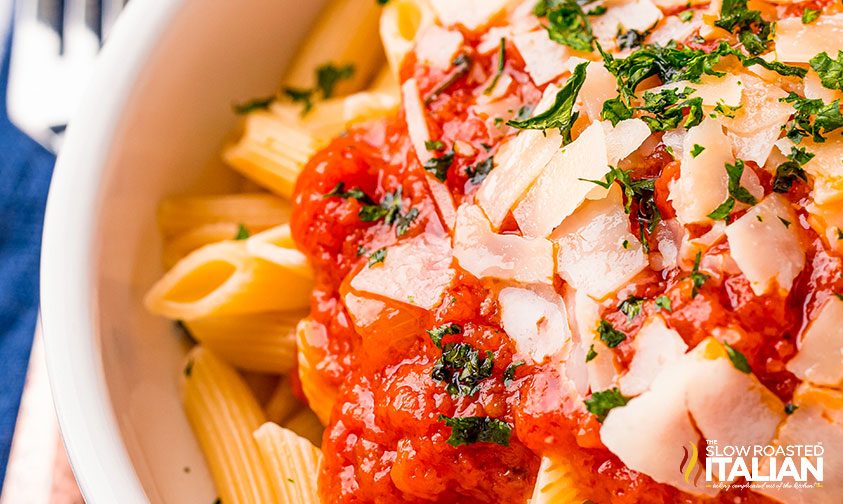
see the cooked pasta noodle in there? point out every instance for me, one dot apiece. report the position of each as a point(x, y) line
point(306, 424)
point(554, 483)
point(400, 22)
point(292, 463)
point(256, 211)
point(262, 342)
point(225, 279)
point(179, 246)
point(224, 414)
point(282, 404)
point(271, 152)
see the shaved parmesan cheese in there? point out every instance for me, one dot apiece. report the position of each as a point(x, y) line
point(444, 201)
point(820, 357)
point(528, 153)
point(703, 183)
point(675, 140)
point(814, 422)
point(416, 119)
point(544, 59)
point(535, 319)
point(623, 139)
point(558, 191)
point(656, 346)
point(483, 253)
point(649, 432)
point(673, 28)
point(638, 15)
point(797, 42)
point(599, 86)
point(438, 46)
point(826, 167)
point(814, 89)
point(760, 108)
point(827, 221)
point(597, 253)
point(470, 13)
point(733, 407)
point(415, 271)
point(771, 226)
point(756, 147)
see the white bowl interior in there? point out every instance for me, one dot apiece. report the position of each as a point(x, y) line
point(168, 78)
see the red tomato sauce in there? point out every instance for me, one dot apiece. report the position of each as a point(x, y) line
point(384, 442)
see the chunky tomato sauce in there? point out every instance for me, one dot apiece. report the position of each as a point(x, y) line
point(385, 442)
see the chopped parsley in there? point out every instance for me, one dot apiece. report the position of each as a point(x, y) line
point(327, 78)
point(362, 249)
point(738, 359)
point(470, 430)
point(754, 33)
point(242, 232)
point(501, 67)
point(254, 104)
point(830, 70)
point(726, 110)
point(188, 368)
point(791, 170)
point(561, 114)
point(461, 65)
point(377, 257)
point(785, 222)
point(609, 335)
point(437, 333)
point(601, 403)
point(354, 193)
point(669, 107)
point(630, 39)
point(509, 372)
point(789, 408)
point(736, 192)
point(591, 354)
point(434, 145)
point(697, 277)
point(631, 306)
point(462, 367)
point(810, 15)
point(696, 150)
point(663, 302)
point(438, 166)
point(686, 15)
point(813, 118)
point(477, 173)
point(567, 23)
point(389, 210)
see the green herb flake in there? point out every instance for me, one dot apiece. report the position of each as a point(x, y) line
point(785, 222)
point(791, 170)
point(609, 335)
point(697, 277)
point(696, 150)
point(242, 232)
point(327, 78)
point(561, 114)
point(438, 166)
point(601, 403)
point(738, 359)
point(437, 333)
point(390, 211)
point(631, 306)
point(188, 368)
point(630, 39)
point(462, 367)
point(354, 193)
point(591, 354)
point(663, 302)
point(509, 372)
point(736, 192)
point(813, 118)
point(377, 257)
point(830, 70)
point(789, 408)
point(567, 23)
point(461, 66)
point(752, 30)
point(625, 244)
point(434, 145)
point(686, 16)
point(727, 110)
point(470, 430)
point(253, 105)
point(501, 67)
point(810, 15)
point(477, 173)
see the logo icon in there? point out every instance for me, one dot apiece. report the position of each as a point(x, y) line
point(690, 464)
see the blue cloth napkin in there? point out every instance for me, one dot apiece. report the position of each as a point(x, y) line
point(25, 170)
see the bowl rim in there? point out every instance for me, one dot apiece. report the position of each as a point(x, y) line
point(87, 420)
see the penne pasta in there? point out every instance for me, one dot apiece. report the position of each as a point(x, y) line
point(345, 33)
point(555, 484)
point(330, 118)
point(261, 342)
point(224, 414)
point(306, 424)
point(283, 403)
point(320, 394)
point(400, 22)
point(271, 152)
point(225, 279)
point(256, 211)
point(292, 463)
point(385, 82)
point(179, 246)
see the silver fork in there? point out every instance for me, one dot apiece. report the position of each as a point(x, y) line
point(53, 48)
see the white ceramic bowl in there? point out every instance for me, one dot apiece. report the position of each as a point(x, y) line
point(156, 113)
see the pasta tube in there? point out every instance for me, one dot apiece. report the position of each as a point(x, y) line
point(256, 211)
point(292, 463)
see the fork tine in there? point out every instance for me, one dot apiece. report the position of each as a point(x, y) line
point(110, 10)
point(79, 40)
